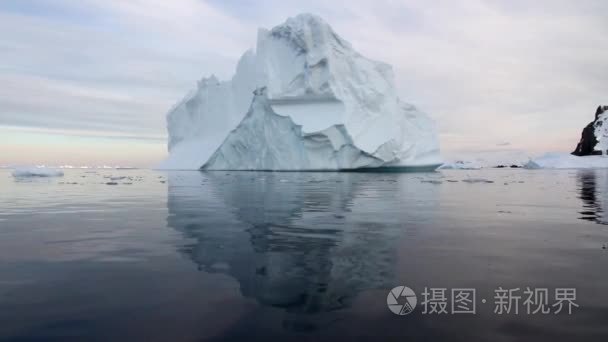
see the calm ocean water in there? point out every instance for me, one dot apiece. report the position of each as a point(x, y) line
point(190, 256)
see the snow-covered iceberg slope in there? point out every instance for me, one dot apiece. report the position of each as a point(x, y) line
point(567, 161)
point(317, 79)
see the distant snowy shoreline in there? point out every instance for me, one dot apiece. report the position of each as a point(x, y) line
point(567, 161)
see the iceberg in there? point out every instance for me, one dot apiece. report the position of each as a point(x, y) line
point(324, 107)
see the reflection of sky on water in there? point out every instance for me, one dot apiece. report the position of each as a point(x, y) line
point(288, 255)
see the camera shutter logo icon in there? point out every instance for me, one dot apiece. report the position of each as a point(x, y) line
point(401, 300)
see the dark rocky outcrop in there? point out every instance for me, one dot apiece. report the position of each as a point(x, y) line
point(513, 166)
point(586, 145)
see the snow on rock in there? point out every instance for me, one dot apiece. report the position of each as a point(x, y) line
point(317, 79)
point(36, 172)
point(594, 138)
point(601, 131)
point(567, 161)
point(265, 140)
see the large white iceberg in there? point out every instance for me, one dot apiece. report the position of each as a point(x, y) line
point(328, 91)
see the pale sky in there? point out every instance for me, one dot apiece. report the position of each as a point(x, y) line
point(89, 82)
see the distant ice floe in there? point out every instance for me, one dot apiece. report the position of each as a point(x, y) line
point(475, 160)
point(477, 180)
point(115, 178)
point(567, 161)
point(36, 172)
point(461, 165)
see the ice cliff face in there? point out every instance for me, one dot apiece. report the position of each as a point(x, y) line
point(265, 140)
point(315, 78)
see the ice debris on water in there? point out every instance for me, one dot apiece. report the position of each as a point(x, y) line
point(36, 172)
point(477, 180)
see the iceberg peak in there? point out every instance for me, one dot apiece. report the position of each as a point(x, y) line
point(308, 32)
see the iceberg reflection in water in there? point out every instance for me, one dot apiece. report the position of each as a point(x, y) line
point(306, 242)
